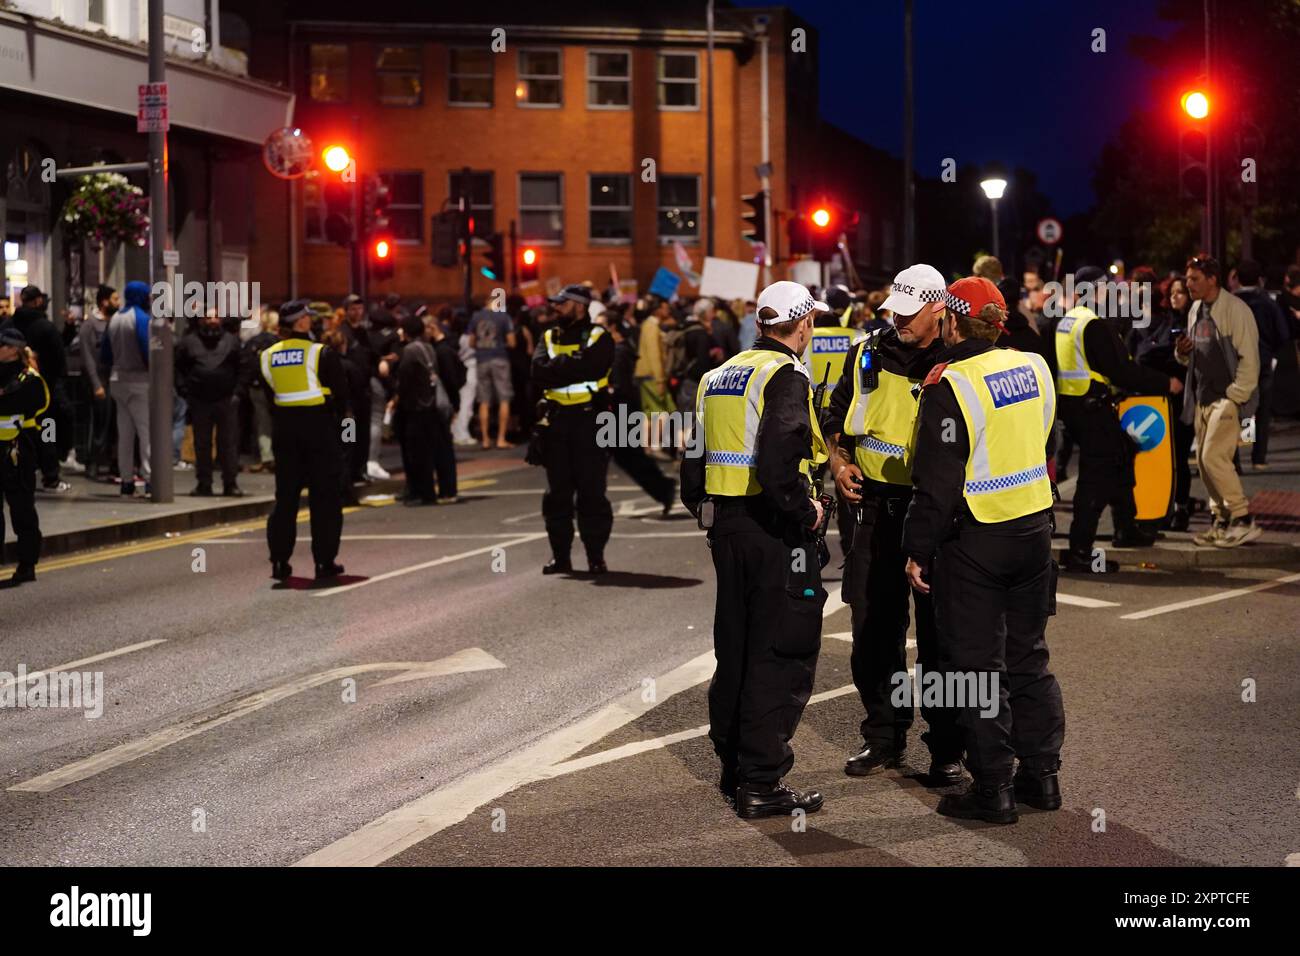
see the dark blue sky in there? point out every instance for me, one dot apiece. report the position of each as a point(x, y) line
point(1007, 81)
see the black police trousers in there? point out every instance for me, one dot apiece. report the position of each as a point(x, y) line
point(308, 454)
point(576, 467)
point(876, 589)
point(993, 588)
point(1105, 470)
point(18, 488)
point(767, 628)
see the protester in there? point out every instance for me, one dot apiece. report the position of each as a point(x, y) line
point(492, 337)
point(94, 376)
point(208, 377)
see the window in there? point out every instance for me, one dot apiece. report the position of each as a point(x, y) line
point(479, 187)
point(541, 207)
point(609, 79)
point(95, 13)
point(313, 211)
point(679, 81)
point(328, 77)
point(610, 208)
point(679, 207)
point(405, 205)
point(539, 78)
point(399, 77)
point(469, 77)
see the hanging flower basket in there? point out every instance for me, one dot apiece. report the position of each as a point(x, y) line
point(106, 208)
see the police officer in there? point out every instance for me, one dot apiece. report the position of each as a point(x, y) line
point(571, 365)
point(831, 340)
point(1092, 367)
point(310, 392)
point(747, 479)
point(23, 397)
point(872, 413)
point(979, 532)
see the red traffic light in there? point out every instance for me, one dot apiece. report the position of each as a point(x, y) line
point(1196, 104)
point(530, 256)
point(382, 249)
point(821, 217)
point(337, 158)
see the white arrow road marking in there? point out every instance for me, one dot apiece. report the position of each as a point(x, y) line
point(425, 816)
point(73, 665)
point(1209, 598)
point(472, 659)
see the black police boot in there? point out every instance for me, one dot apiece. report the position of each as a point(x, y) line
point(234, 491)
point(558, 566)
point(1080, 562)
point(326, 571)
point(727, 784)
point(874, 757)
point(596, 565)
point(1132, 536)
point(23, 574)
point(992, 803)
point(754, 800)
point(202, 491)
point(944, 773)
point(670, 499)
point(281, 571)
point(1181, 518)
point(1039, 788)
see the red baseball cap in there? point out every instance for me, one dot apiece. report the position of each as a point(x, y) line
point(968, 297)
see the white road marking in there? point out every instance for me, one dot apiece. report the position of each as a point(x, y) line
point(1209, 598)
point(446, 559)
point(471, 659)
point(73, 665)
point(1292, 859)
point(425, 816)
point(1076, 600)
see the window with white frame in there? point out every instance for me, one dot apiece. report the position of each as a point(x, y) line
point(541, 207)
point(405, 210)
point(469, 76)
point(609, 79)
point(399, 76)
point(679, 81)
point(679, 208)
point(610, 207)
point(540, 79)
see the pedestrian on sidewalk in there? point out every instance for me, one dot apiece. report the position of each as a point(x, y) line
point(356, 329)
point(208, 377)
point(1274, 335)
point(1222, 356)
point(95, 376)
point(424, 405)
point(125, 352)
point(259, 395)
point(23, 397)
point(43, 339)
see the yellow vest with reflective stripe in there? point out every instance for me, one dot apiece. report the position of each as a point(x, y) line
point(11, 425)
point(578, 392)
point(825, 356)
point(883, 421)
point(291, 367)
point(729, 406)
point(1009, 404)
point(1074, 376)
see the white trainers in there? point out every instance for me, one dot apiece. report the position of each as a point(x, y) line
point(376, 472)
point(74, 466)
point(1211, 536)
point(1238, 531)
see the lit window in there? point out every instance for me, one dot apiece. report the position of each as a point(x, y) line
point(327, 80)
point(399, 75)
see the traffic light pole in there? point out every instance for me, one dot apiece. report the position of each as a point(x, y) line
point(514, 257)
point(768, 235)
point(469, 238)
point(160, 328)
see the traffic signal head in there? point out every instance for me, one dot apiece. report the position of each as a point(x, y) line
point(529, 260)
point(1196, 104)
point(445, 235)
point(374, 205)
point(494, 267)
point(755, 217)
point(381, 258)
point(337, 158)
point(821, 217)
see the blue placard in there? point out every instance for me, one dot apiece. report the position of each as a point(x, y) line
point(1012, 386)
point(1145, 425)
point(665, 283)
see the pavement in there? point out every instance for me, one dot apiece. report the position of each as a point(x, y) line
point(446, 703)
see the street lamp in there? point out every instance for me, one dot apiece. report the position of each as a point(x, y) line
point(994, 188)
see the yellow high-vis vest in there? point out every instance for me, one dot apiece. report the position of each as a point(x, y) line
point(292, 368)
point(1009, 405)
point(11, 426)
point(1074, 376)
point(579, 392)
point(882, 420)
point(729, 407)
point(825, 356)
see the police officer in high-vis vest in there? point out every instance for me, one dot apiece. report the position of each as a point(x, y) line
point(872, 416)
point(979, 533)
point(747, 477)
point(571, 365)
point(831, 340)
point(23, 397)
point(309, 388)
point(1092, 367)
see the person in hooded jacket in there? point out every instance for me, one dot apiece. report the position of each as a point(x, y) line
point(207, 377)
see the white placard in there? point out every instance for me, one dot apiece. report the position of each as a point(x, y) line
point(729, 279)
